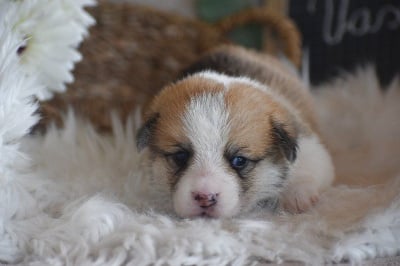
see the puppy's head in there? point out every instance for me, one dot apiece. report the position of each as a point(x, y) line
point(219, 145)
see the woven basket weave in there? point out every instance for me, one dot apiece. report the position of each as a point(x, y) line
point(133, 51)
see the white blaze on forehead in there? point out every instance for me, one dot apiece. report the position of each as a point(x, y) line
point(206, 124)
point(228, 80)
point(217, 77)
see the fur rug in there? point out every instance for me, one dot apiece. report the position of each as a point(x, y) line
point(80, 198)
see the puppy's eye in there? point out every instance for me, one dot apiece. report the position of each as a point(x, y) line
point(238, 162)
point(180, 158)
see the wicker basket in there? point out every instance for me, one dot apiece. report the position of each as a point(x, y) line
point(134, 50)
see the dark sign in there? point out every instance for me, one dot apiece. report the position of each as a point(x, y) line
point(343, 34)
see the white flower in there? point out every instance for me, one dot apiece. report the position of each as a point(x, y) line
point(77, 13)
point(52, 31)
point(17, 105)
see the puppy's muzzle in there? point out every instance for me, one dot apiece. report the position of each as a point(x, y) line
point(205, 200)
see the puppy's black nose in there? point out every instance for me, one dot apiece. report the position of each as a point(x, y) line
point(205, 200)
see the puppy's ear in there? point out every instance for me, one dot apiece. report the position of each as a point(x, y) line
point(146, 132)
point(285, 139)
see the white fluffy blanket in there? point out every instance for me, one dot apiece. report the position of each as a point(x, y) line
point(82, 199)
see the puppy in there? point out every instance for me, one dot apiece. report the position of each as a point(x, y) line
point(237, 132)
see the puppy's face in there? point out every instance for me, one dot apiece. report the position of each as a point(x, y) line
point(219, 145)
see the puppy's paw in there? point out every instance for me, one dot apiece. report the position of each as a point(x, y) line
point(300, 197)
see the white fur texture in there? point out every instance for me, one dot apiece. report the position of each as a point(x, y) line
point(311, 174)
point(89, 198)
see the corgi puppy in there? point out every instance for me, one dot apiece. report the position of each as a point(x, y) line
point(236, 133)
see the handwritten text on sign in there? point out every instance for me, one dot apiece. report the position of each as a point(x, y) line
point(357, 22)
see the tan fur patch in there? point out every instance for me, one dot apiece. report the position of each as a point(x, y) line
point(251, 111)
point(171, 103)
point(271, 72)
